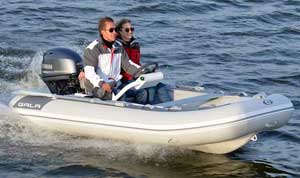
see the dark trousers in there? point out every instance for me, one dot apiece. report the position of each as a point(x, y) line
point(158, 94)
point(152, 95)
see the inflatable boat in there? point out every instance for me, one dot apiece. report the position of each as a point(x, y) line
point(207, 122)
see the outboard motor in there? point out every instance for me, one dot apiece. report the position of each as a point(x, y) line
point(60, 69)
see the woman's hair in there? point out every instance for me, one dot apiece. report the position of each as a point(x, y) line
point(120, 24)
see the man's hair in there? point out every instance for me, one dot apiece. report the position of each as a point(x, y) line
point(121, 23)
point(102, 23)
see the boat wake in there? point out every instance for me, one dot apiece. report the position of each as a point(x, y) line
point(20, 132)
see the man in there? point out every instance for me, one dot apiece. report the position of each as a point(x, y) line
point(103, 60)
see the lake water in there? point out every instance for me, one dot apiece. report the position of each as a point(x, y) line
point(223, 45)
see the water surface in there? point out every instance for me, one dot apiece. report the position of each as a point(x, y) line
point(227, 45)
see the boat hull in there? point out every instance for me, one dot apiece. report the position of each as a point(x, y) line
point(219, 130)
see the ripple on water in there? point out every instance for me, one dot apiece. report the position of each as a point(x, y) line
point(16, 52)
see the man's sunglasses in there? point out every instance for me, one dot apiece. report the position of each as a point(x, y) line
point(111, 30)
point(128, 29)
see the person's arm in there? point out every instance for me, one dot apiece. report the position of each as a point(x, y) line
point(127, 65)
point(95, 79)
point(90, 61)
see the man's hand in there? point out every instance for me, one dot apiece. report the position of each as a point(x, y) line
point(81, 76)
point(106, 87)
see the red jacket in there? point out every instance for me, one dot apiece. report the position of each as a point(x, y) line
point(133, 50)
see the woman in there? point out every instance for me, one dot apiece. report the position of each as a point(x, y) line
point(154, 95)
point(125, 37)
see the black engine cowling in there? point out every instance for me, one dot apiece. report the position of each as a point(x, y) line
point(60, 69)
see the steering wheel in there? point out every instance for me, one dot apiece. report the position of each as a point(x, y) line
point(145, 69)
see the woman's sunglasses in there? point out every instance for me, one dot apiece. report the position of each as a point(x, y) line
point(129, 29)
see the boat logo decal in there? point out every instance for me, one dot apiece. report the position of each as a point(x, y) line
point(268, 102)
point(32, 102)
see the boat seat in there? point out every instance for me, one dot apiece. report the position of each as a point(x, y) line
point(190, 103)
